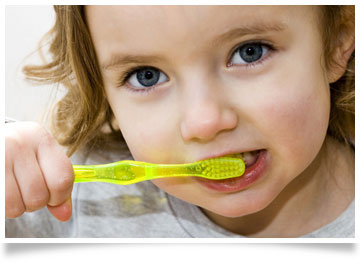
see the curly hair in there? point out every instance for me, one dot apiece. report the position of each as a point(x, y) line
point(336, 21)
point(83, 116)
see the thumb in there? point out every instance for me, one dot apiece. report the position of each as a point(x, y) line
point(63, 211)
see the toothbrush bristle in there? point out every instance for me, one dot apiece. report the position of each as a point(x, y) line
point(222, 168)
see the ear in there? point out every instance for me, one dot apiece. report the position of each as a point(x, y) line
point(341, 55)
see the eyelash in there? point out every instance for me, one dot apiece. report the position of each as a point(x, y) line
point(271, 48)
point(127, 74)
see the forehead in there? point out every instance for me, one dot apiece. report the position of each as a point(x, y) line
point(145, 28)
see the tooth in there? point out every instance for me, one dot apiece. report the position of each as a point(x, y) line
point(237, 155)
point(249, 157)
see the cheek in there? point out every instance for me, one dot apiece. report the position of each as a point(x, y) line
point(149, 134)
point(297, 123)
point(141, 140)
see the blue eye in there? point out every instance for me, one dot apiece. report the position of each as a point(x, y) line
point(146, 77)
point(249, 53)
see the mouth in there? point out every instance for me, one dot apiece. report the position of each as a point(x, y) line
point(255, 166)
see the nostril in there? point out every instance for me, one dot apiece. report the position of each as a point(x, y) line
point(198, 130)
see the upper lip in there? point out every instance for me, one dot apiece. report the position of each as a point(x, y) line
point(225, 153)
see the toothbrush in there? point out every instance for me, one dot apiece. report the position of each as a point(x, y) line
point(128, 171)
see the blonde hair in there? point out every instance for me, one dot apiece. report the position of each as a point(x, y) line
point(83, 116)
point(336, 21)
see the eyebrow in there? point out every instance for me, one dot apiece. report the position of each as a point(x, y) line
point(256, 28)
point(117, 60)
point(259, 28)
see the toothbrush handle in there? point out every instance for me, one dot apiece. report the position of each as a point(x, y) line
point(84, 173)
point(174, 170)
point(128, 172)
point(121, 172)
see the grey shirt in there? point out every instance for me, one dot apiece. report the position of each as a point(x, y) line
point(137, 211)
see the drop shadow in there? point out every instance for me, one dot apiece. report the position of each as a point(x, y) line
point(339, 247)
point(12, 249)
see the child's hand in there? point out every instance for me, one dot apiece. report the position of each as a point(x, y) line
point(38, 172)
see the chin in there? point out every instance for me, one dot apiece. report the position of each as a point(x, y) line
point(234, 210)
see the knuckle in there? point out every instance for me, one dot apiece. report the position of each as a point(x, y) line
point(33, 205)
point(21, 136)
point(13, 209)
point(14, 212)
point(64, 183)
point(14, 145)
point(45, 138)
point(36, 203)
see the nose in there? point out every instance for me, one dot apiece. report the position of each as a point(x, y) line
point(205, 115)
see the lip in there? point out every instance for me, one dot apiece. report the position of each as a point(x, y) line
point(221, 154)
point(251, 175)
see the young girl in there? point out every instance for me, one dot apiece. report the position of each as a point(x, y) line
point(177, 84)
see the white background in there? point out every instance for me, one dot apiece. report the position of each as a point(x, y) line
point(24, 27)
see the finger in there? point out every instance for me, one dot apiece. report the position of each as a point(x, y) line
point(30, 180)
point(14, 206)
point(57, 170)
point(63, 211)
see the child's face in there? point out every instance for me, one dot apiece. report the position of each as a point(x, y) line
point(219, 80)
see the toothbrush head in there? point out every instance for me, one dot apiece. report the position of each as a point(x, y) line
point(221, 168)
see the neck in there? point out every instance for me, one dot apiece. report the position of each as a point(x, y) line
point(315, 198)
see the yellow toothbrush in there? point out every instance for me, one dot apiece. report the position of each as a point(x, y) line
point(128, 171)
